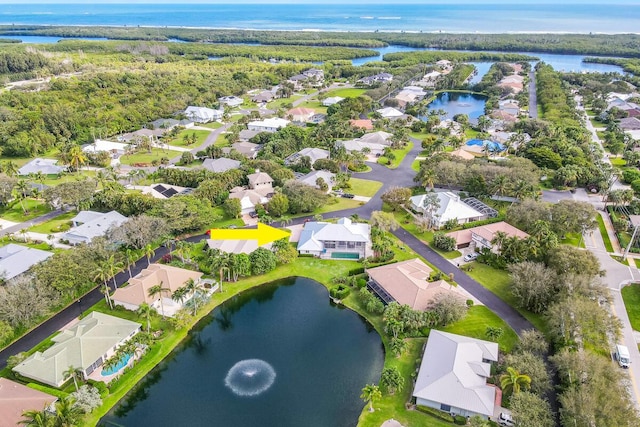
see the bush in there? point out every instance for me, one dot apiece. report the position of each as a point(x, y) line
point(630, 175)
point(444, 242)
point(444, 416)
point(482, 222)
point(469, 303)
point(100, 386)
point(356, 271)
point(339, 292)
point(460, 420)
point(635, 186)
point(361, 283)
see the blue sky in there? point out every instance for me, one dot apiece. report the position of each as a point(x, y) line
point(613, 2)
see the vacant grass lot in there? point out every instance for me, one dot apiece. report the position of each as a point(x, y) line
point(364, 187)
point(201, 135)
point(146, 157)
point(15, 213)
point(346, 93)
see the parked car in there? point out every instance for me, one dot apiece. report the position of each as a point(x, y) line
point(348, 195)
point(470, 257)
point(253, 215)
point(505, 420)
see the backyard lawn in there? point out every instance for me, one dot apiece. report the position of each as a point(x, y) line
point(406, 221)
point(146, 157)
point(226, 221)
point(364, 187)
point(631, 297)
point(278, 103)
point(52, 226)
point(346, 93)
point(201, 135)
point(211, 125)
point(14, 212)
point(475, 325)
point(52, 180)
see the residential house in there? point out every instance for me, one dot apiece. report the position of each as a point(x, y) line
point(450, 207)
point(390, 113)
point(247, 149)
point(429, 79)
point(312, 153)
point(503, 116)
point(482, 236)
point(245, 135)
point(376, 78)
point(509, 106)
point(203, 114)
point(407, 282)
point(409, 95)
point(380, 137)
point(233, 246)
point(343, 240)
point(375, 150)
point(445, 64)
point(453, 375)
point(365, 124)
point(43, 166)
point(16, 259)
point(85, 346)
point(327, 102)
point(632, 109)
point(514, 82)
point(166, 276)
point(300, 115)
point(629, 123)
point(249, 198)
point(314, 74)
point(260, 181)
point(268, 125)
point(463, 154)
point(298, 81)
point(312, 177)
point(89, 224)
point(220, 165)
point(165, 191)
point(318, 118)
point(116, 149)
point(15, 399)
point(150, 134)
point(166, 124)
point(263, 97)
point(231, 101)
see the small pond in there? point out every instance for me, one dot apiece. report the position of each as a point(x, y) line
point(459, 103)
point(48, 39)
point(279, 355)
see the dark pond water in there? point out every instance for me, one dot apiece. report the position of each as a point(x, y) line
point(459, 103)
point(313, 359)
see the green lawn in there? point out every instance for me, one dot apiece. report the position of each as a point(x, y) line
point(618, 162)
point(364, 187)
point(631, 297)
point(419, 135)
point(341, 204)
point(52, 180)
point(475, 325)
point(278, 103)
point(15, 213)
point(597, 123)
point(211, 125)
point(314, 105)
point(497, 281)
point(573, 239)
point(346, 93)
point(178, 141)
point(400, 155)
point(426, 237)
point(605, 235)
point(415, 165)
point(146, 157)
point(52, 226)
point(226, 221)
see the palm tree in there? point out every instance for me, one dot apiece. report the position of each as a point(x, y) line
point(67, 413)
point(130, 259)
point(114, 268)
point(71, 372)
point(158, 290)
point(428, 178)
point(513, 381)
point(498, 239)
point(145, 310)
point(179, 295)
point(102, 273)
point(10, 168)
point(36, 418)
point(501, 185)
point(149, 252)
point(76, 157)
point(370, 392)
point(22, 187)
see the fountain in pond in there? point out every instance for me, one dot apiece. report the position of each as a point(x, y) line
point(250, 377)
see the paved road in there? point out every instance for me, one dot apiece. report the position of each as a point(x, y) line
point(533, 95)
point(35, 221)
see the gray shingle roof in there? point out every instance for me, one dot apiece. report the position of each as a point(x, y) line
point(95, 227)
point(453, 373)
point(16, 259)
point(45, 166)
point(220, 165)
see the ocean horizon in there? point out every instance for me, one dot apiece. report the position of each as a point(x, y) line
point(428, 18)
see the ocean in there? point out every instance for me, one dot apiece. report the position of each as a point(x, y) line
point(456, 18)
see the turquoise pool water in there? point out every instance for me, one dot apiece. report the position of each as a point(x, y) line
point(121, 364)
point(345, 255)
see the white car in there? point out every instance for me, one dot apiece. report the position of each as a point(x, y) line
point(470, 257)
point(506, 420)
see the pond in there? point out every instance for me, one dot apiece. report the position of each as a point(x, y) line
point(278, 355)
point(459, 103)
point(48, 39)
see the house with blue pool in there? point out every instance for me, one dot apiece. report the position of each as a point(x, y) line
point(343, 240)
point(484, 146)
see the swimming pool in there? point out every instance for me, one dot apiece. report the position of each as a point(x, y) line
point(114, 369)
